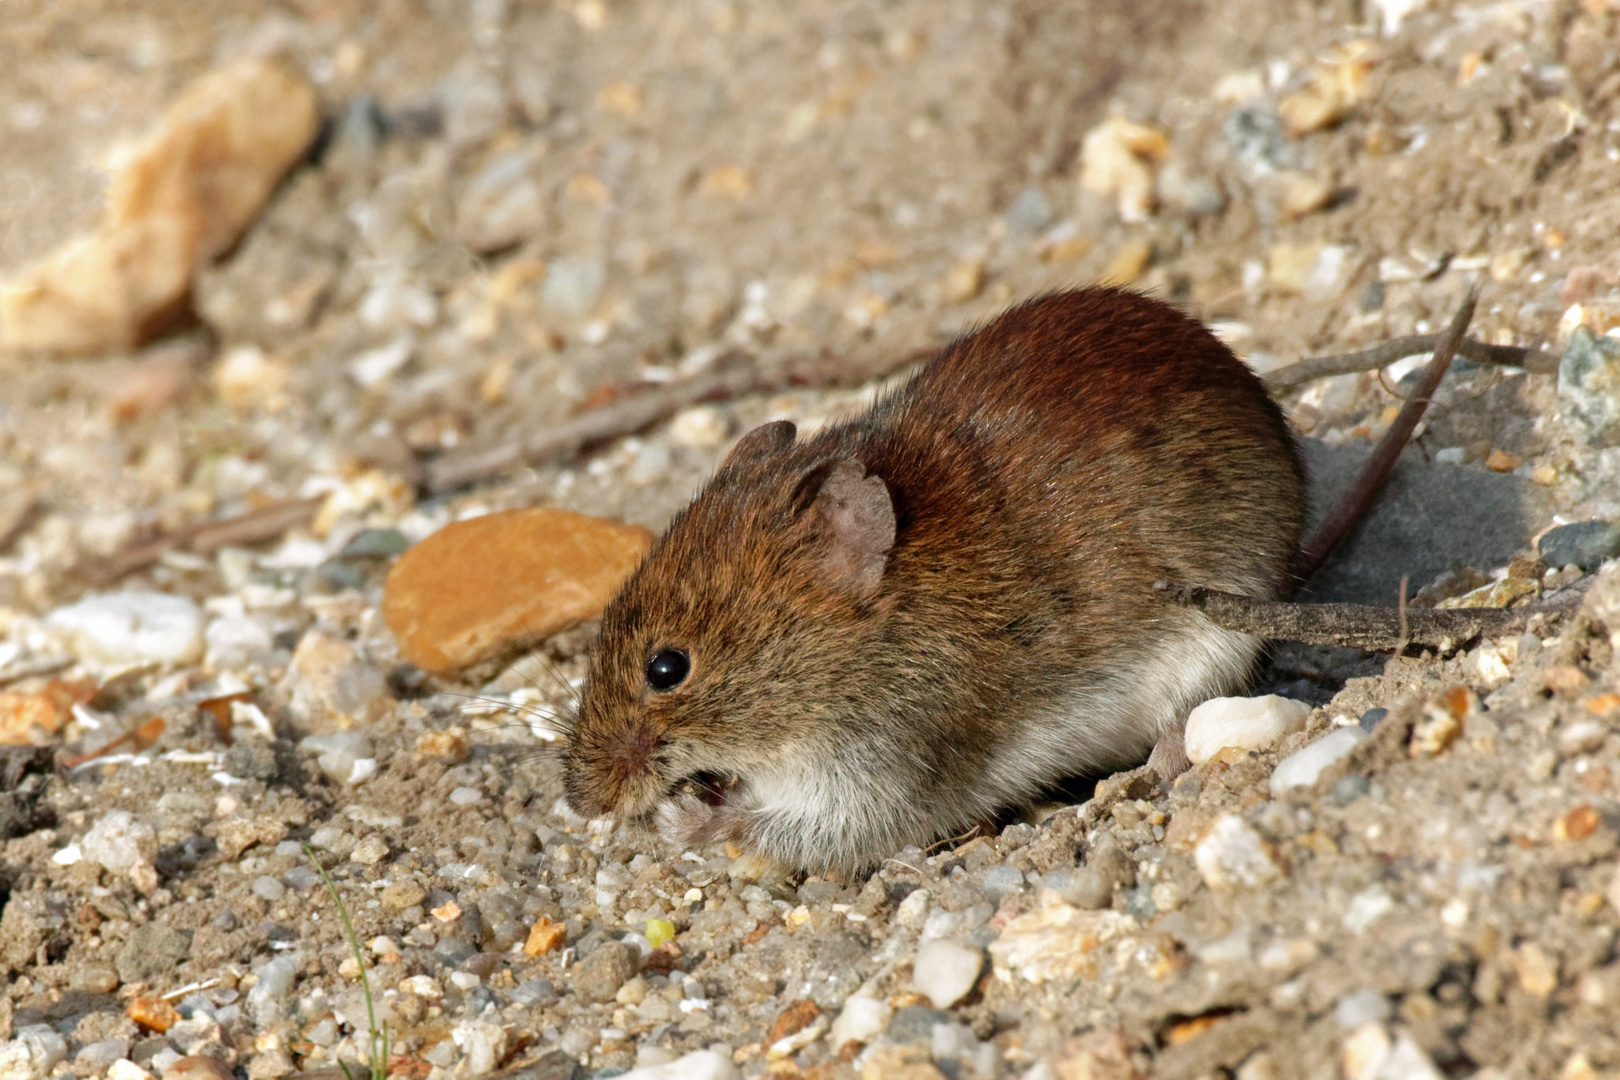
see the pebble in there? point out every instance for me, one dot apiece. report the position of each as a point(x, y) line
point(1234, 856)
point(1120, 160)
point(861, 1020)
point(1057, 942)
point(268, 996)
point(133, 627)
point(1001, 880)
point(175, 202)
point(502, 205)
point(701, 427)
point(97, 1056)
point(450, 600)
point(268, 888)
point(118, 842)
point(945, 971)
point(332, 687)
point(599, 976)
point(698, 1065)
point(195, 1067)
point(465, 796)
point(1367, 907)
point(1301, 768)
point(1369, 1054)
point(1587, 377)
point(32, 1053)
point(915, 1024)
point(1084, 887)
point(1361, 1007)
point(1248, 723)
point(482, 1045)
point(345, 757)
point(124, 1069)
point(1585, 544)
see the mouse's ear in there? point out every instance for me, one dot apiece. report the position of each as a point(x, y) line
point(855, 515)
point(767, 439)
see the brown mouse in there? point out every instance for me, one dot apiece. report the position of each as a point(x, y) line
point(892, 630)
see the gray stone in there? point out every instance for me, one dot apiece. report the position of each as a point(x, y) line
point(914, 1024)
point(1429, 518)
point(1585, 544)
point(1589, 387)
point(151, 953)
point(609, 966)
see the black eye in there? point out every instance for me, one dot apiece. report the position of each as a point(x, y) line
point(667, 669)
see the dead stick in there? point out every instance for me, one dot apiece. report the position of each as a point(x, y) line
point(734, 374)
point(1370, 481)
point(253, 527)
point(1359, 626)
point(1534, 360)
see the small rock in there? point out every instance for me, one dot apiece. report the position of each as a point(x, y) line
point(99, 1055)
point(863, 1018)
point(702, 427)
point(95, 980)
point(1120, 159)
point(1370, 1055)
point(964, 281)
point(118, 842)
point(198, 1067)
point(133, 627)
point(502, 206)
point(1301, 768)
point(1248, 723)
point(1097, 1055)
point(35, 1050)
point(1304, 194)
point(899, 1063)
point(1589, 387)
point(270, 1065)
point(914, 1024)
point(450, 599)
point(370, 851)
point(125, 1069)
point(345, 757)
point(945, 971)
point(482, 1045)
point(1361, 1007)
point(332, 687)
point(1310, 270)
point(1234, 856)
point(1084, 887)
point(599, 976)
point(698, 1065)
point(152, 1013)
point(179, 199)
point(1367, 907)
point(1335, 89)
point(1001, 880)
point(399, 895)
point(152, 952)
point(268, 997)
point(1055, 942)
point(1585, 544)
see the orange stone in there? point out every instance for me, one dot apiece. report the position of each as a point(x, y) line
point(153, 1014)
point(479, 587)
point(1578, 824)
point(545, 936)
point(794, 1019)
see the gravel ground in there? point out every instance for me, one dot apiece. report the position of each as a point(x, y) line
point(519, 213)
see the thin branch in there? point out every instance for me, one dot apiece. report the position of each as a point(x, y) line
point(1348, 510)
point(1376, 629)
point(1536, 361)
point(253, 527)
point(736, 374)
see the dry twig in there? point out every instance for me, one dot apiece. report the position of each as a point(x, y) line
point(253, 527)
point(1537, 361)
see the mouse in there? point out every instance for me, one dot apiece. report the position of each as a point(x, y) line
point(889, 631)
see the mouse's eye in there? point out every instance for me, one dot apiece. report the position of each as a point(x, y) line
point(667, 669)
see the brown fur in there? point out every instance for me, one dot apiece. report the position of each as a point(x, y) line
point(1045, 471)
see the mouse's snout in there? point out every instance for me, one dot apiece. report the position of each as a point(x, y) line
point(614, 771)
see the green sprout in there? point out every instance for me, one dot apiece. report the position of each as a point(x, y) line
point(379, 1035)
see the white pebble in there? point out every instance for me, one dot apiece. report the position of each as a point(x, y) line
point(945, 971)
point(68, 855)
point(465, 796)
point(862, 1019)
point(118, 842)
point(698, 1065)
point(133, 627)
point(1233, 855)
point(125, 1069)
point(913, 910)
point(1367, 907)
point(35, 1051)
point(1248, 723)
point(702, 426)
point(1300, 769)
point(267, 999)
